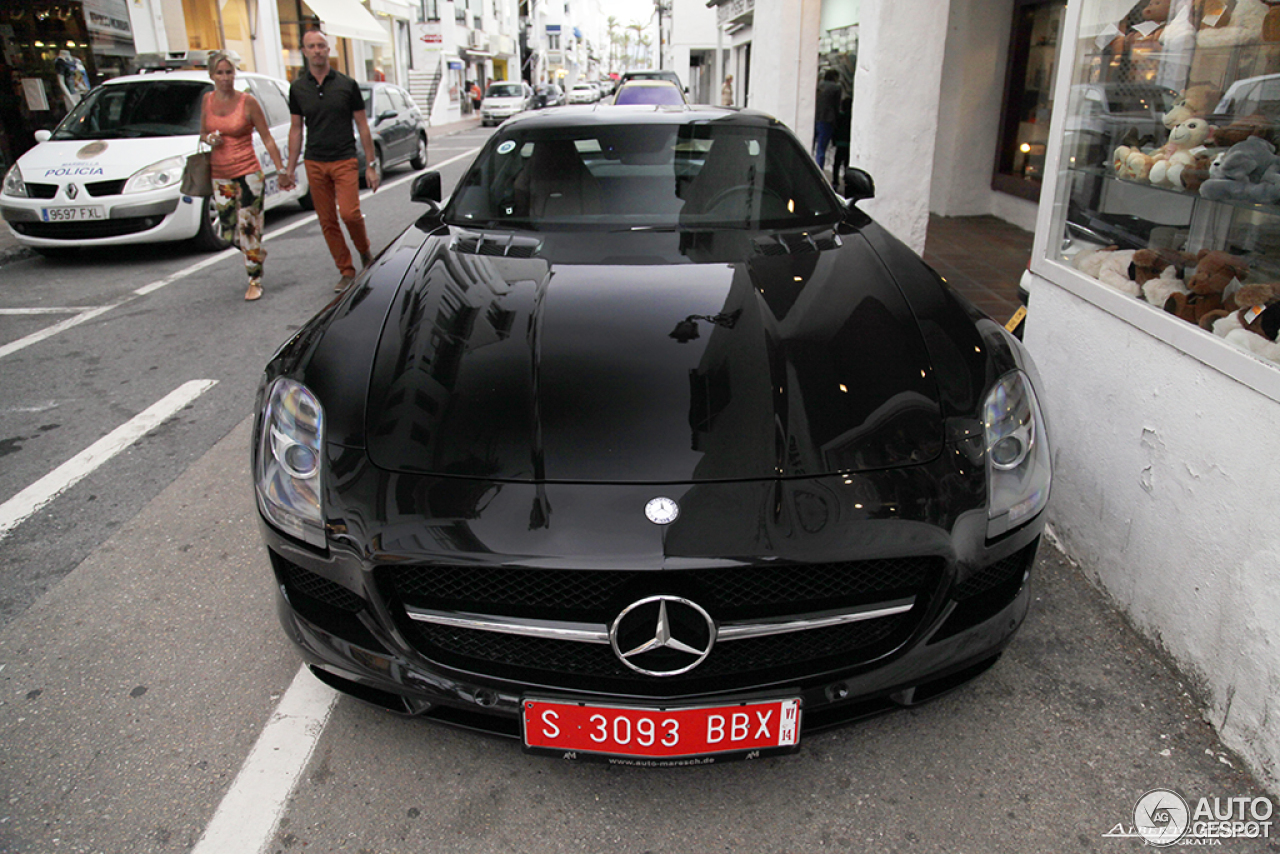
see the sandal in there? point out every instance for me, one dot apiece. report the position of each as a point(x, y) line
point(254, 292)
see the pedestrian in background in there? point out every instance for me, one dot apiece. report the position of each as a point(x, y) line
point(726, 91)
point(825, 112)
point(327, 102)
point(476, 96)
point(844, 129)
point(227, 121)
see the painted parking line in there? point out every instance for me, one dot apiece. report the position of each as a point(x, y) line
point(49, 487)
point(44, 334)
point(251, 810)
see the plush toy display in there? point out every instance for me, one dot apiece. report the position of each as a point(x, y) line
point(1178, 153)
point(1144, 36)
point(1196, 101)
point(1247, 171)
point(1241, 299)
point(1214, 274)
point(1110, 266)
point(1158, 272)
point(1242, 24)
point(1241, 129)
point(1254, 328)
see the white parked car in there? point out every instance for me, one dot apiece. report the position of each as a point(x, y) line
point(503, 100)
point(109, 174)
point(584, 93)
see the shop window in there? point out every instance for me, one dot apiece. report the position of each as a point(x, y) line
point(1169, 191)
point(1028, 103)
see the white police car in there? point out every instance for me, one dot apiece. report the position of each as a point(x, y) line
point(109, 173)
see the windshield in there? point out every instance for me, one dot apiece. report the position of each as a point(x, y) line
point(147, 108)
point(643, 176)
point(505, 90)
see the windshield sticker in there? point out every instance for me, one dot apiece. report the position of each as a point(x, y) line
point(93, 149)
point(507, 147)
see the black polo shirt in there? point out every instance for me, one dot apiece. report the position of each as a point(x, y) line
point(327, 109)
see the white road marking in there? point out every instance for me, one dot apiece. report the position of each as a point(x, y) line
point(49, 487)
point(36, 337)
point(250, 812)
point(50, 310)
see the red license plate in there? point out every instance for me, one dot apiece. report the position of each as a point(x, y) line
point(663, 733)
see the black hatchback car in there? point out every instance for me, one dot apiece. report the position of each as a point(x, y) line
point(644, 444)
point(398, 127)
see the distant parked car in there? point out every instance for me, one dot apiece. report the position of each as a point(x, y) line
point(584, 93)
point(504, 100)
point(654, 92)
point(652, 74)
point(399, 128)
point(548, 95)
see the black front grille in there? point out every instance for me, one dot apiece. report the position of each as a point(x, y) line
point(87, 229)
point(42, 191)
point(598, 596)
point(105, 188)
point(733, 593)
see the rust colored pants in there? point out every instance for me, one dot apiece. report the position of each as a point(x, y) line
point(335, 189)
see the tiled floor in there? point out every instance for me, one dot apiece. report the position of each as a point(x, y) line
point(982, 257)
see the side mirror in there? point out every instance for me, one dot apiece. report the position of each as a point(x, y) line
point(43, 135)
point(386, 114)
point(858, 184)
point(426, 188)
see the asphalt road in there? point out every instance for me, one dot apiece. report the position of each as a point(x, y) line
point(141, 665)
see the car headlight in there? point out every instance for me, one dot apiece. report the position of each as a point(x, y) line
point(157, 176)
point(288, 462)
point(13, 183)
point(1018, 467)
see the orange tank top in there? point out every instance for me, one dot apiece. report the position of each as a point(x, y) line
point(234, 157)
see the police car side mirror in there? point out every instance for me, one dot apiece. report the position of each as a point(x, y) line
point(43, 135)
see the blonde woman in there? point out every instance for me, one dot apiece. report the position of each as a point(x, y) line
point(228, 119)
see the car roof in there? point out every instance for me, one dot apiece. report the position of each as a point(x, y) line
point(198, 74)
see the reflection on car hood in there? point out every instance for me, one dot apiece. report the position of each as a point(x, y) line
point(99, 160)
point(532, 368)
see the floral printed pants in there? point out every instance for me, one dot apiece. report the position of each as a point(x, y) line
point(239, 204)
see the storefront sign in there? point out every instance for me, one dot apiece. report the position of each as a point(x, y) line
point(108, 18)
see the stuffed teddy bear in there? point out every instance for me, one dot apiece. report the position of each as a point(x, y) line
point(1247, 171)
point(1196, 101)
point(1157, 272)
point(1111, 267)
point(1178, 153)
point(1254, 328)
point(1241, 298)
point(1242, 25)
point(1241, 129)
point(1215, 272)
point(1143, 36)
point(1194, 176)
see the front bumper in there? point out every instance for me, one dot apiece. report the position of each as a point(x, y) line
point(346, 609)
point(142, 218)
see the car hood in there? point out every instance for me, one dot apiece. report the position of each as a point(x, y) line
point(56, 161)
point(545, 368)
point(513, 100)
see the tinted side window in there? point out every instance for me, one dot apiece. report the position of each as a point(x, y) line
point(273, 100)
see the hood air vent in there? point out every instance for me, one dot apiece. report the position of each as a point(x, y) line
point(505, 246)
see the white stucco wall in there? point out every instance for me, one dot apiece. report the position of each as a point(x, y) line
point(784, 63)
point(973, 82)
point(1162, 478)
point(897, 95)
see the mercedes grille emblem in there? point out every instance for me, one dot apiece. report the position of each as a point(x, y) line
point(662, 636)
point(72, 191)
point(662, 511)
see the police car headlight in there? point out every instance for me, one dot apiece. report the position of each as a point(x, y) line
point(157, 176)
point(13, 183)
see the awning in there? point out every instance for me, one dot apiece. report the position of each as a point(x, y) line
point(348, 19)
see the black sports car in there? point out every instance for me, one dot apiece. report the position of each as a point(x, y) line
point(645, 444)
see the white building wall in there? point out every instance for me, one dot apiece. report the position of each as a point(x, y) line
point(896, 103)
point(1156, 497)
point(784, 62)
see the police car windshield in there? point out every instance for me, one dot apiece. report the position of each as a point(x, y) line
point(145, 108)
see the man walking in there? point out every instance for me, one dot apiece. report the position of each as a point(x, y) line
point(327, 102)
point(825, 112)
